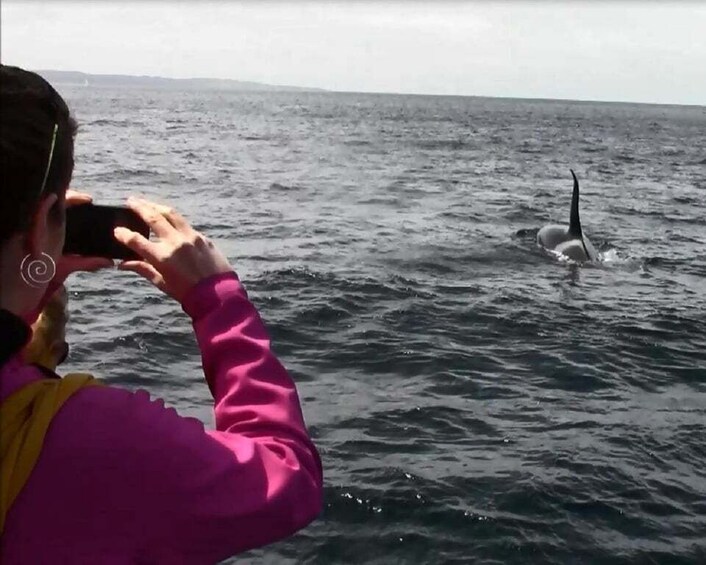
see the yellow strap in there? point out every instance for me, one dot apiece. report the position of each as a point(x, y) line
point(46, 332)
point(25, 417)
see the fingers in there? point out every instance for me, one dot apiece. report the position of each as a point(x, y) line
point(137, 243)
point(69, 264)
point(174, 217)
point(144, 270)
point(90, 264)
point(154, 218)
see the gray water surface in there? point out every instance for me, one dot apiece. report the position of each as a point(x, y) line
point(474, 399)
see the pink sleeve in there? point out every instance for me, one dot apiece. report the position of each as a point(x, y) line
point(186, 493)
point(279, 477)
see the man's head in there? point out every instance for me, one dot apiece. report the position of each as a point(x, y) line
point(36, 164)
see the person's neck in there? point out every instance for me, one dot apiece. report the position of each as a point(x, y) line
point(14, 335)
point(16, 296)
point(9, 301)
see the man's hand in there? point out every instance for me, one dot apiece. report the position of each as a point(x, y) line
point(72, 263)
point(179, 260)
point(68, 264)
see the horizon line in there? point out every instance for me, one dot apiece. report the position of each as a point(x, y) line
point(373, 92)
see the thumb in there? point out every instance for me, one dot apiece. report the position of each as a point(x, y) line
point(91, 263)
point(69, 264)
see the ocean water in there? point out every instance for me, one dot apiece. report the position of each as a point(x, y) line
point(474, 399)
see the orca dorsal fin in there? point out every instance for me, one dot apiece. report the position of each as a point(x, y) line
point(574, 221)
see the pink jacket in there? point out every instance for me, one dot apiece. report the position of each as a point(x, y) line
point(123, 479)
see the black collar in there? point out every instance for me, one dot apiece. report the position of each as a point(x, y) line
point(14, 335)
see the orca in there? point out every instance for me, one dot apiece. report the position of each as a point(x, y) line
point(569, 241)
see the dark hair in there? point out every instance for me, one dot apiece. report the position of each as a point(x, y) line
point(30, 108)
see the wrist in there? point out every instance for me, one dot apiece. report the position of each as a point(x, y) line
point(209, 293)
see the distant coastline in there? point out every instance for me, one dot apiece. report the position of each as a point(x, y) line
point(76, 78)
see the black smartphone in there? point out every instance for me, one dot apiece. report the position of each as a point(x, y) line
point(89, 231)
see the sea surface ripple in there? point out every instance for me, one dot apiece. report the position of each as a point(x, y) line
point(474, 400)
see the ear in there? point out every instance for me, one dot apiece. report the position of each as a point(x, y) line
point(39, 230)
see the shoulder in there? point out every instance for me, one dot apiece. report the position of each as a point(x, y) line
point(127, 420)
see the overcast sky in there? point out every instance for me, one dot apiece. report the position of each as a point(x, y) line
point(642, 51)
